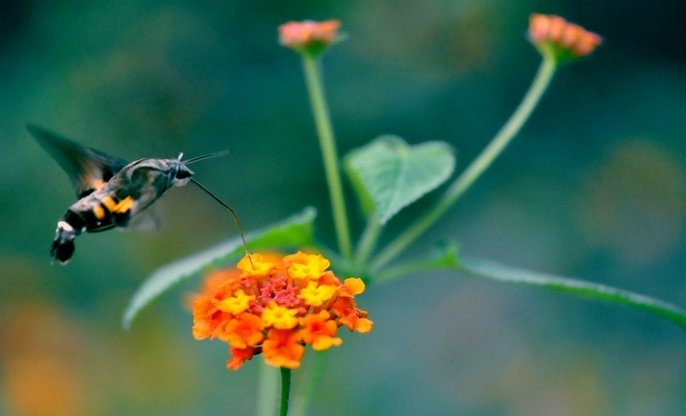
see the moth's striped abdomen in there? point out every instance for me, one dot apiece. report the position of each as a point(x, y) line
point(99, 211)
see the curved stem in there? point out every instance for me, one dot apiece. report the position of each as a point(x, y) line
point(476, 168)
point(328, 146)
point(285, 390)
point(311, 383)
point(405, 269)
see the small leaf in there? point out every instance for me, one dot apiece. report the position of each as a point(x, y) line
point(394, 175)
point(505, 274)
point(294, 231)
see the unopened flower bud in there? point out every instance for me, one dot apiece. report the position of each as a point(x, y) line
point(308, 36)
point(553, 35)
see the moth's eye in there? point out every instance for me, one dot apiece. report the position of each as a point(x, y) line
point(183, 174)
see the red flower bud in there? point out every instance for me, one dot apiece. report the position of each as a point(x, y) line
point(309, 36)
point(554, 35)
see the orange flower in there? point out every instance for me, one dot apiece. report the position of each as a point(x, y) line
point(207, 320)
point(243, 331)
point(276, 306)
point(308, 36)
point(319, 331)
point(239, 356)
point(351, 317)
point(283, 349)
point(554, 35)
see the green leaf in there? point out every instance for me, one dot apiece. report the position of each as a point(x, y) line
point(505, 274)
point(294, 231)
point(448, 259)
point(393, 174)
point(366, 201)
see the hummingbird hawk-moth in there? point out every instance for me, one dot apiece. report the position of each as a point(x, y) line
point(110, 191)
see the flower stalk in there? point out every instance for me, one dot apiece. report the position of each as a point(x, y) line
point(327, 143)
point(285, 390)
point(476, 168)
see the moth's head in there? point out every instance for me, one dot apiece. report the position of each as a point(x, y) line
point(180, 174)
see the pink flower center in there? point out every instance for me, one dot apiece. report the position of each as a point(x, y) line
point(279, 291)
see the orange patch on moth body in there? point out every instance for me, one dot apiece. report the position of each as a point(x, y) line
point(109, 203)
point(99, 212)
point(124, 206)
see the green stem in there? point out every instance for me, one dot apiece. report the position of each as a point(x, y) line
point(367, 242)
point(285, 390)
point(476, 168)
point(268, 390)
point(405, 269)
point(311, 383)
point(327, 144)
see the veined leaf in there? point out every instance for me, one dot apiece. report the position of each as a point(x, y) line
point(506, 274)
point(449, 260)
point(294, 231)
point(393, 174)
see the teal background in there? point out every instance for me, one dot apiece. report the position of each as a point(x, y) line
point(593, 187)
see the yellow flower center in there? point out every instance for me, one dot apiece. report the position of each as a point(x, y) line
point(236, 304)
point(314, 295)
point(258, 266)
point(279, 317)
point(312, 267)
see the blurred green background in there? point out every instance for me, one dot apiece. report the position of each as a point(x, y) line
point(593, 187)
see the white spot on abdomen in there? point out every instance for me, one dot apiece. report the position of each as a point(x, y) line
point(64, 225)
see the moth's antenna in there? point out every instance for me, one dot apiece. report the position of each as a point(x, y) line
point(180, 156)
point(235, 217)
point(203, 157)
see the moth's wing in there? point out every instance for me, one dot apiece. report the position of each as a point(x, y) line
point(145, 221)
point(153, 188)
point(87, 168)
point(142, 183)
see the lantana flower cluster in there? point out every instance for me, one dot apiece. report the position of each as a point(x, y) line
point(276, 306)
